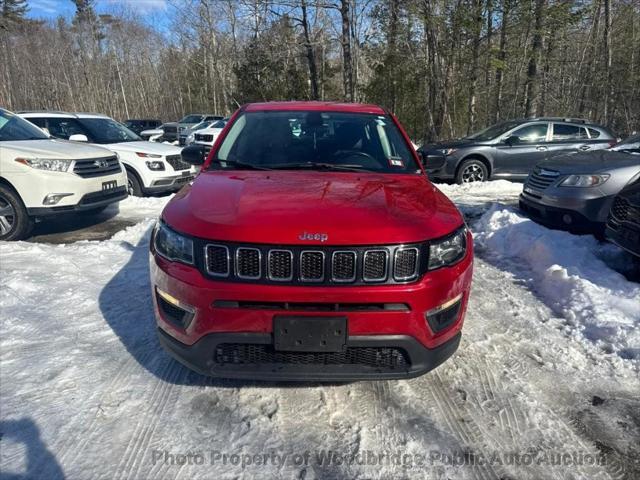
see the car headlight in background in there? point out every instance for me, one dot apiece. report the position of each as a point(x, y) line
point(148, 155)
point(191, 138)
point(584, 180)
point(172, 245)
point(51, 164)
point(448, 151)
point(155, 165)
point(448, 251)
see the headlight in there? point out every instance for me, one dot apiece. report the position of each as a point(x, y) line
point(155, 165)
point(148, 155)
point(448, 151)
point(51, 164)
point(584, 180)
point(172, 245)
point(190, 138)
point(449, 250)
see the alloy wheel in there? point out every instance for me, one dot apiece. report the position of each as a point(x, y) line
point(472, 173)
point(7, 216)
point(130, 187)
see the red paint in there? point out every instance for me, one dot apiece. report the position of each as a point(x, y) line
point(275, 207)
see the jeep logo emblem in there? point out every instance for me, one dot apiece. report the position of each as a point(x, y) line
point(309, 237)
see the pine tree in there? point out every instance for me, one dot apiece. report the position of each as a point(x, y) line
point(12, 12)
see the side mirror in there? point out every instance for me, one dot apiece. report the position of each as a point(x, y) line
point(513, 140)
point(78, 137)
point(432, 161)
point(194, 154)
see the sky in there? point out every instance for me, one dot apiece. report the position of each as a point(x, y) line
point(155, 12)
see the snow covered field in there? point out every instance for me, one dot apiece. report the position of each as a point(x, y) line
point(545, 383)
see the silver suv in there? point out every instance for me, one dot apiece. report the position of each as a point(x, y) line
point(576, 191)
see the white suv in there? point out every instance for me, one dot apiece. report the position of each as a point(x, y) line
point(40, 176)
point(151, 167)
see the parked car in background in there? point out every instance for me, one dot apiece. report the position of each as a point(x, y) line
point(193, 119)
point(153, 134)
point(42, 177)
point(209, 135)
point(312, 246)
point(623, 224)
point(137, 126)
point(511, 149)
point(575, 191)
point(151, 167)
point(169, 132)
point(187, 136)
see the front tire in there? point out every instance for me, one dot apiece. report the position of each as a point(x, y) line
point(472, 171)
point(133, 184)
point(15, 223)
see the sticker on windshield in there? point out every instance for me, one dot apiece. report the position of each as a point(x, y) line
point(396, 161)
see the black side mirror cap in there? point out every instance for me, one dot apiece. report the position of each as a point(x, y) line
point(194, 154)
point(432, 161)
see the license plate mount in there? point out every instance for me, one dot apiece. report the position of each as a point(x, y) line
point(110, 185)
point(309, 334)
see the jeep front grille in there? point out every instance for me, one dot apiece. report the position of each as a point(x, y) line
point(97, 167)
point(320, 265)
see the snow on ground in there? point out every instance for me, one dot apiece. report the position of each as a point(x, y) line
point(87, 391)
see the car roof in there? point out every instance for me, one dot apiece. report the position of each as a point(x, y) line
point(315, 106)
point(59, 114)
point(576, 121)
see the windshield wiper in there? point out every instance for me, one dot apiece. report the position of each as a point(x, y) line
point(320, 166)
point(240, 165)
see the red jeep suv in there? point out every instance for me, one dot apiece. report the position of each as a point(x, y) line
point(311, 246)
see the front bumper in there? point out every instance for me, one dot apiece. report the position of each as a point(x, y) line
point(588, 214)
point(203, 357)
point(625, 235)
point(169, 184)
point(87, 202)
point(227, 312)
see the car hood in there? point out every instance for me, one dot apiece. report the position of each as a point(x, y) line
point(210, 131)
point(278, 207)
point(145, 147)
point(55, 148)
point(598, 161)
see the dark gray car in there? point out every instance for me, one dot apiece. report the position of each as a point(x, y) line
point(576, 191)
point(511, 149)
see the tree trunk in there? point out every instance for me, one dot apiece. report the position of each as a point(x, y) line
point(311, 57)
point(531, 93)
point(473, 74)
point(502, 54)
point(608, 93)
point(347, 61)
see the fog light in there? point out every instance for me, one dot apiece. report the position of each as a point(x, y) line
point(54, 198)
point(444, 315)
point(566, 218)
point(173, 310)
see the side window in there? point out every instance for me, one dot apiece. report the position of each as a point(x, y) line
point(39, 122)
point(65, 127)
point(568, 132)
point(594, 133)
point(535, 133)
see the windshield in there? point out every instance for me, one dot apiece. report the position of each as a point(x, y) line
point(106, 130)
point(493, 131)
point(631, 144)
point(218, 124)
point(306, 139)
point(13, 128)
point(191, 119)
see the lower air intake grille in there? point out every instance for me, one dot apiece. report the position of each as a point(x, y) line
point(255, 354)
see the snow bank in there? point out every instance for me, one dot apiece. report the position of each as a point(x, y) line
point(564, 270)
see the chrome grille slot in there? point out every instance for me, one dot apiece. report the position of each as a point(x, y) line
point(311, 266)
point(280, 265)
point(343, 266)
point(217, 260)
point(374, 266)
point(248, 263)
point(97, 167)
point(405, 263)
